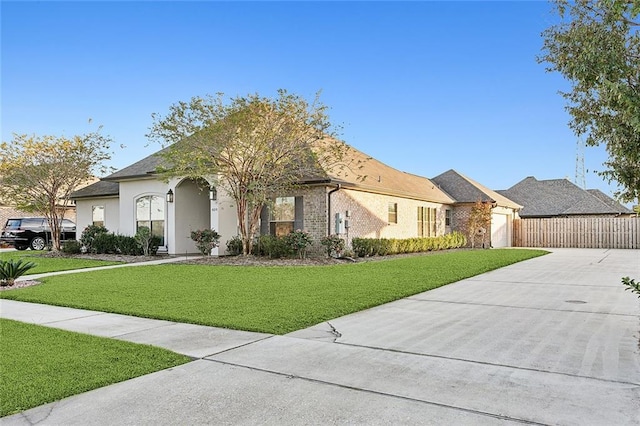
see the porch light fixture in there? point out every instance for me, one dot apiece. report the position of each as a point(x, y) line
point(213, 194)
point(170, 196)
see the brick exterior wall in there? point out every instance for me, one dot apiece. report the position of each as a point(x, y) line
point(315, 215)
point(369, 215)
point(314, 200)
point(459, 217)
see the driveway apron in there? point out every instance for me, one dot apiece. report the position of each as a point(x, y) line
point(552, 340)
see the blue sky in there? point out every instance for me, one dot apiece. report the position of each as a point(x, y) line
point(422, 86)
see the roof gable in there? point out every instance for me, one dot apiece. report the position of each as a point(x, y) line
point(466, 190)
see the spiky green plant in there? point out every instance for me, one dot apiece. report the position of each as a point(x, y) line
point(12, 269)
point(631, 285)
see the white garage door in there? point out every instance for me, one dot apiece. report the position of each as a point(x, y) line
point(499, 231)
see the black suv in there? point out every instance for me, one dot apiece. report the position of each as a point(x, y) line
point(34, 232)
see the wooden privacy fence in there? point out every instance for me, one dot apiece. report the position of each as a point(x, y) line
point(578, 232)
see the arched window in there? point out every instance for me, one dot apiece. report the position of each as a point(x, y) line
point(150, 213)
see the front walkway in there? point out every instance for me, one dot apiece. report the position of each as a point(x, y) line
point(552, 340)
point(160, 261)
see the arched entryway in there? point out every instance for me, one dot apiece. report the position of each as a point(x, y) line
point(192, 212)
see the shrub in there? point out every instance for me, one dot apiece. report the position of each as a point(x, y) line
point(12, 269)
point(89, 234)
point(154, 245)
point(98, 240)
point(104, 244)
point(271, 246)
point(72, 247)
point(124, 244)
point(361, 247)
point(334, 245)
point(298, 241)
point(234, 246)
point(146, 242)
point(206, 240)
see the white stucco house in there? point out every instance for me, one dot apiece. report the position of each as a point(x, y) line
point(388, 203)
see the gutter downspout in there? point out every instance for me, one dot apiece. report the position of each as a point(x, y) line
point(337, 188)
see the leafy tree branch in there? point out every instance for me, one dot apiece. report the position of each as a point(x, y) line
point(254, 147)
point(596, 46)
point(39, 173)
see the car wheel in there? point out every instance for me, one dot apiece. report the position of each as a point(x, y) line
point(21, 247)
point(38, 243)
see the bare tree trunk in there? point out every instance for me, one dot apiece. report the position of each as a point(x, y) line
point(241, 208)
point(253, 223)
point(54, 224)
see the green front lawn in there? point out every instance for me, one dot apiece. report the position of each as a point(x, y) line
point(267, 299)
point(52, 264)
point(40, 365)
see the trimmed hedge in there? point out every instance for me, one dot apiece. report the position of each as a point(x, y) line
point(116, 244)
point(364, 247)
point(272, 247)
point(98, 240)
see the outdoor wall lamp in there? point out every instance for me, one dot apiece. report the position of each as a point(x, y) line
point(213, 194)
point(170, 196)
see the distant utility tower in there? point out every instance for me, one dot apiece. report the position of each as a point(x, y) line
point(580, 179)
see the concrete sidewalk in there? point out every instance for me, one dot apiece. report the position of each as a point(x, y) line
point(99, 268)
point(553, 340)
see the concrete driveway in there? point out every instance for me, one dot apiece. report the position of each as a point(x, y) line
point(553, 340)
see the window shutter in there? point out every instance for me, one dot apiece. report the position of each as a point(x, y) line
point(298, 222)
point(264, 221)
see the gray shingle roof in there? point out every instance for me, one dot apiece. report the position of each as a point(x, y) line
point(609, 201)
point(101, 188)
point(143, 168)
point(465, 190)
point(556, 197)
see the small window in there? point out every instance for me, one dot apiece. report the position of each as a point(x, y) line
point(393, 212)
point(97, 214)
point(447, 217)
point(283, 216)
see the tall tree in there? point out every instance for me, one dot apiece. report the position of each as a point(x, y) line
point(39, 173)
point(596, 46)
point(254, 147)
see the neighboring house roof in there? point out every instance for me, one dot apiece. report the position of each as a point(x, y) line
point(557, 197)
point(378, 178)
point(465, 190)
point(609, 201)
point(102, 188)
